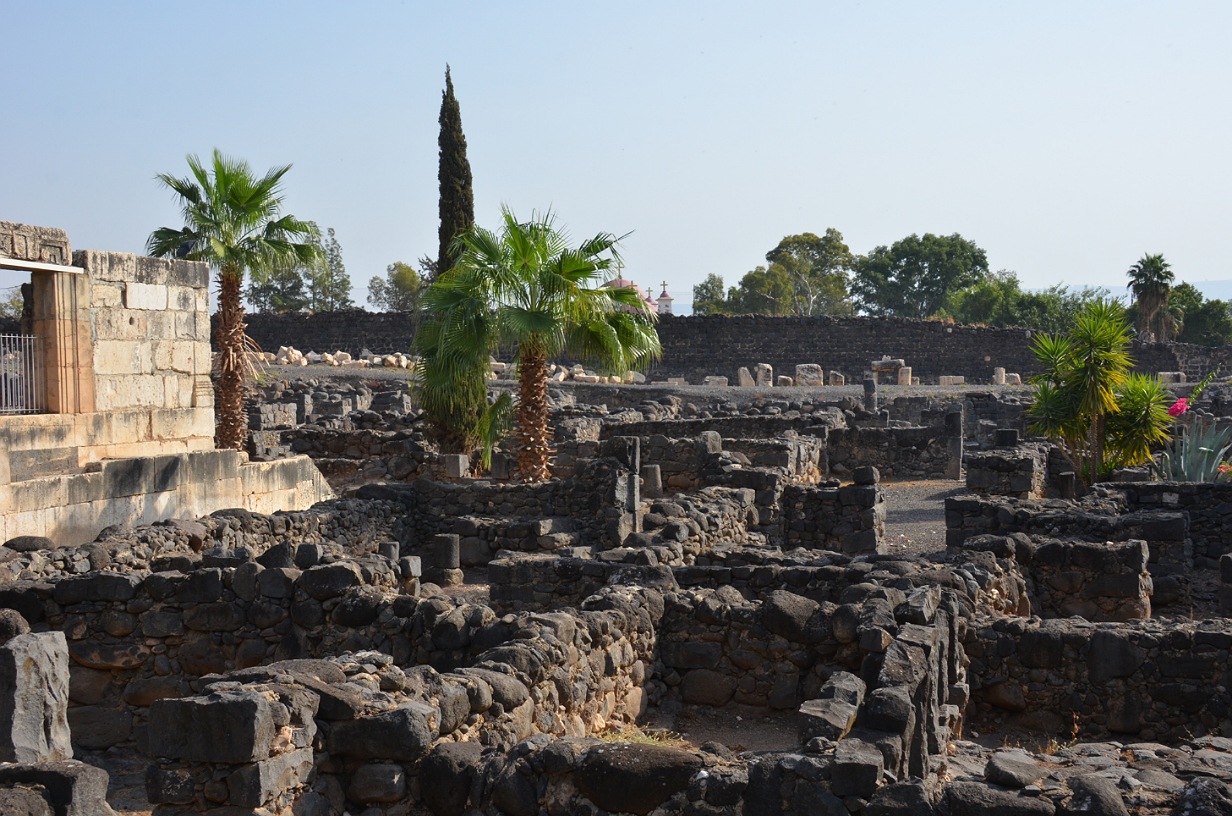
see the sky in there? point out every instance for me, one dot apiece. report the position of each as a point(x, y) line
point(1066, 139)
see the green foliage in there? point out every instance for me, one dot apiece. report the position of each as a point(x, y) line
point(1203, 322)
point(1088, 402)
point(708, 297)
point(277, 289)
point(457, 200)
point(400, 290)
point(917, 277)
point(329, 285)
point(805, 275)
point(11, 302)
point(1195, 454)
point(1150, 279)
point(524, 287)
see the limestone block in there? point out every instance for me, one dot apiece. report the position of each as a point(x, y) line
point(175, 355)
point(182, 298)
point(145, 296)
point(904, 375)
point(744, 378)
point(998, 376)
point(183, 325)
point(177, 391)
point(106, 296)
point(719, 382)
point(763, 374)
point(1171, 376)
point(1013, 379)
point(31, 243)
point(947, 379)
point(34, 698)
point(783, 381)
point(123, 357)
point(837, 378)
point(810, 374)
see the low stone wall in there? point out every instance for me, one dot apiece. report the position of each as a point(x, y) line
point(1098, 581)
point(898, 453)
point(74, 508)
point(1208, 505)
point(727, 427)
point(1102, 519)
point(1019, 472)
point(358, 729)
point(1145, 681)
point(848, 519)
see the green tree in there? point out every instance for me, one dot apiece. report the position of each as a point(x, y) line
point(765, 290)
point(818, 269)
point(1202, 322)
point(525, 287)
point(1086, 399)
point(1150, 279)
point(233, 221)
point(277, 289)
point(399, 291)
point(329, 285)
point(11, 302)
point(916, 277)
point(457, 200)
point(708, 297)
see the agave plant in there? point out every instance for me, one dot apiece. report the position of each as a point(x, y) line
point(1195, 454)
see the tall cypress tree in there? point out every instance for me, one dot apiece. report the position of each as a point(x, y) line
point(457, 202)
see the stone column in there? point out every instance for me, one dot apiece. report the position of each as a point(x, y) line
point(998, 376)
point(62, 321)
point(34, 698)
point(904, 375)
point(870, 394)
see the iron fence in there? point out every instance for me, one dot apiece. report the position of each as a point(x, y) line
point(21, 374)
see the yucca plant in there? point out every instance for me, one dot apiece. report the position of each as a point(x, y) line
point(1195, 454)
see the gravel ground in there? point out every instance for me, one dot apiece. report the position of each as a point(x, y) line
point(915, 515)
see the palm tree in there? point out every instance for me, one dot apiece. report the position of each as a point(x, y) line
point(527, 288)
point(1086, 399)
point(233, 221)
point(1151, 281)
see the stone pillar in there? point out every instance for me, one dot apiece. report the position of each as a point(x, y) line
point(998, 376)
point(870, 394)
point(954, 444)
point(62, 321)
point(34, 698)
point(652, 481)
point(763, 374)
point(744, 379)
point(904, 375)
point(446, 560)
point(837, 379)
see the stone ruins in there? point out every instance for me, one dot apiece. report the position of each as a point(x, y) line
point(411, 639)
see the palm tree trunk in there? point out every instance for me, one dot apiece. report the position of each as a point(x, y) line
point(232, 427)
point(535, 449)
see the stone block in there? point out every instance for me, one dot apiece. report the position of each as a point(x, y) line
point(998, 376)
point(744, 378)
point(377, 782)
point(783, 381)
point(810, 374)
point(232, 726)
point(145, 296)
point(457, 465)
point(404, 734)
point(904, 375)
point(34, 694)
point(30, 243)
point(763, 375)
point(256, 784)
point(837, 378)
point(1013, 379)
point(715, 382)
point(72, 788)
point(829, 719)
point(858, 767)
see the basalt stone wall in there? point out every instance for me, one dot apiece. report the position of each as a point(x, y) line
point(728, 427)
point(898, 453)
point(697, 347)
point(328, 736)
point(1145, 680)
point(350, 331)
point(1019, 472)
point(849, 519)
point(1209, 506)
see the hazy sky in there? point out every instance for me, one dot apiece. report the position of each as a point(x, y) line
point(1066, 138)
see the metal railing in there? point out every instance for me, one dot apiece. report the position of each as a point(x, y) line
point(21, 374)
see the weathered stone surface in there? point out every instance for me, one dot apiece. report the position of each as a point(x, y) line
point(634, 778)
point(980, 799)
point(227, 726)
point(72, 788)
point(377, 782)
point(707, 687)
point(857, 769)
point(446, 774)
point(23, 802)
point(34, 694)
point(256, 784)
point(1013, 769)
point(404, 733)
point(1093, 796)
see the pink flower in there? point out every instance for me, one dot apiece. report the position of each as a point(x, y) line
point(1179, 407)
point(1224, 468)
